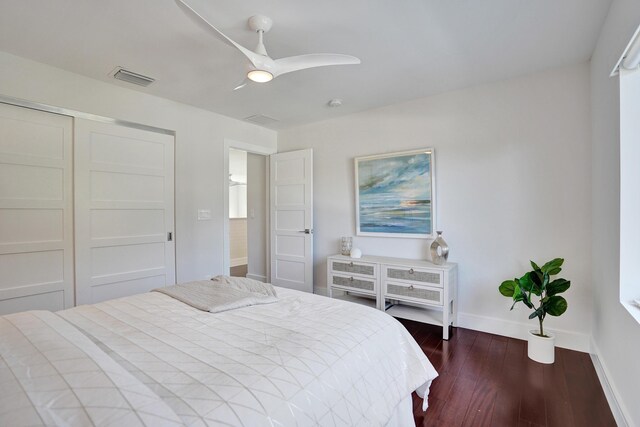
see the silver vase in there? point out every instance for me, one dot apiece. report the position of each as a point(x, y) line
point(439, 250)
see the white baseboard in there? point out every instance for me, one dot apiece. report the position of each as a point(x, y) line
point(492, 325)
point(565, 339)
point(239, 261)
point(257, 277)
point(617, 407)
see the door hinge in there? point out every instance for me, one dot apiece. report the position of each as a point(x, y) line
point(169, 236)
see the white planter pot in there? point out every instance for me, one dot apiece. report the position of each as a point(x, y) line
point(542, 349)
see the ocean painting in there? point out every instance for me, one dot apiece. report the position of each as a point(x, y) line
point(395, 194)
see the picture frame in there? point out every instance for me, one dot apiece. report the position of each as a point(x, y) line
point(396, 194)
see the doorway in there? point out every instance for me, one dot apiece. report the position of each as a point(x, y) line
point(247, 228)
point(238, 213)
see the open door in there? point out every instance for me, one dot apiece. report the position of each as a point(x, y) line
point(291, 178)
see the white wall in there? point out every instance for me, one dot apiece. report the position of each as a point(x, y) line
point(616, 334)
point(238, 193)
point(513, 168)
point(200, 138)
point(238, 241)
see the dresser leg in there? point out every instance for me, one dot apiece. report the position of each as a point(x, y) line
point(446, 322)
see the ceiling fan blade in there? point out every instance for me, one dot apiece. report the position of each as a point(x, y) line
point(241, 85)
point(302, 62)
point(255, 58)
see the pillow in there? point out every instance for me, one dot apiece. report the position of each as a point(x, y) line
point(249, 285)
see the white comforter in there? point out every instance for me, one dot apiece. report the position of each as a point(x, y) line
point(305, 360)
point(51, 374)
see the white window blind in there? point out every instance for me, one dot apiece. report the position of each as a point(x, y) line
point(629, 71)
point(630, 58)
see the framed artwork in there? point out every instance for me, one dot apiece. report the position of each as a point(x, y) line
point(395, 194)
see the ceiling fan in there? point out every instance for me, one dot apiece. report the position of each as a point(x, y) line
point(263, 68)
point(235, 183)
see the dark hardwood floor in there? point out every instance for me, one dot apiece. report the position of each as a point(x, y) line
point(488, 380)
point(239, 271)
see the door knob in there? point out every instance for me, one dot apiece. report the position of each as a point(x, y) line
point(306, 231)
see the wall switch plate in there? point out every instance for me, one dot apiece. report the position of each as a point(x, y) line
point(204, 214)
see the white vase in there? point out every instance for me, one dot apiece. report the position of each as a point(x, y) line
point(542, 349)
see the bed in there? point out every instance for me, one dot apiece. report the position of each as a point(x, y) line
point(304, 360)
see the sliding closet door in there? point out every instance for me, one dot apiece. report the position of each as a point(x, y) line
point(36, 216)
point(124, 207)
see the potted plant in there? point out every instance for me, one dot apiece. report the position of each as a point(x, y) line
point(538, 283)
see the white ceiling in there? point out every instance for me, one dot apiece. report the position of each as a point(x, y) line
point(409, 48)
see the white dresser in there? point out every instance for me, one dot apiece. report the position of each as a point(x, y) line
point(406, 288)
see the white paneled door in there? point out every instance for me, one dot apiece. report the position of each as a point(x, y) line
point(124, 208)
point(36, 214)
point(291, 177)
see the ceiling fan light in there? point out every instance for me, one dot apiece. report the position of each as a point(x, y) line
point(259, 76)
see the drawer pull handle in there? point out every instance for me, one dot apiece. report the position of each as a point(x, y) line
point(411, 271)
point(351, 279)
point(411, 287)
point(351, 264)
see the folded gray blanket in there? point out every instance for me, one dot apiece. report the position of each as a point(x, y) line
point(222, 293)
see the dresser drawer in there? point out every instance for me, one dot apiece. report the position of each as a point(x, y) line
point(414, 292)
point(355, 283)
point(429, 277)
point(351, 267)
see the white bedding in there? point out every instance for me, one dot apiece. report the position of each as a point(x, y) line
point(51, 374)
point(305, 360)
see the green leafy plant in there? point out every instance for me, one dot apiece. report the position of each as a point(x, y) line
point(538, 283)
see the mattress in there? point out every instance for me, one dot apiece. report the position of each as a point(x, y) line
point(305, 360)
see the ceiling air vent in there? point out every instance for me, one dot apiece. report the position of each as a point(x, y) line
point(131, 77)
point(260, 119)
